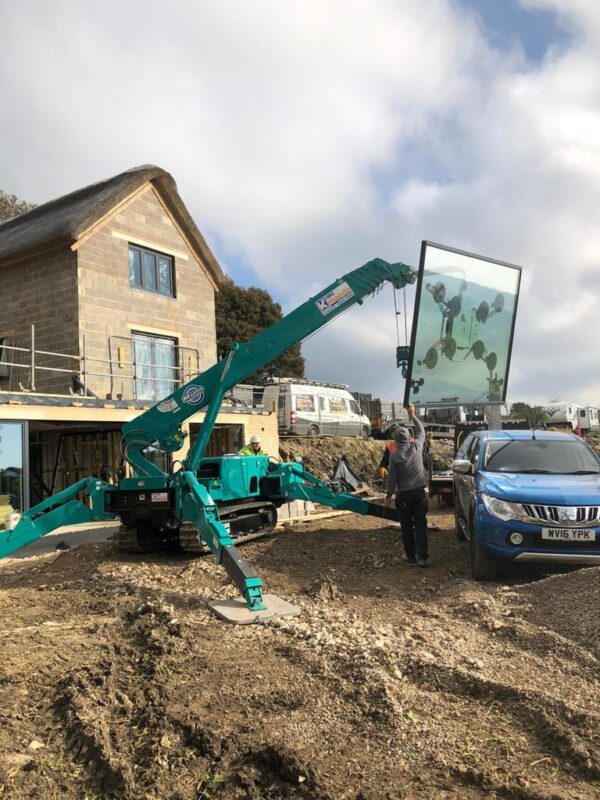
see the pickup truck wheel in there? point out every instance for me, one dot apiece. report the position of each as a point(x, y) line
point(483, 568)
point(312, 432)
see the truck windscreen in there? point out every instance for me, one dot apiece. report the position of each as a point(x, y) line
point(540, 455)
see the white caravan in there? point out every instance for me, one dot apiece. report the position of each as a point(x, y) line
point(588, 419)
point(564, 414)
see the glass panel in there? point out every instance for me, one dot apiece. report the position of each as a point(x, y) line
point(164, 275)
point(11, 471)
point(149, 274)
point(164, 358)
point(462, 335)
point(135, 269)
point(154, 359)
point(142, 358)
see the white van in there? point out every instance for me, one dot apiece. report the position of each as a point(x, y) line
point(313, 408)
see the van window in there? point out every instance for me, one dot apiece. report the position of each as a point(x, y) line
point(354, 407)
point(321, 404)
point(305, 402)
point(337, 405)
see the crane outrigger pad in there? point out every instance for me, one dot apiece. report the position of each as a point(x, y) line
point(238, 613)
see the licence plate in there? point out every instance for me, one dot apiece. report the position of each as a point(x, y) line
point(569, 534)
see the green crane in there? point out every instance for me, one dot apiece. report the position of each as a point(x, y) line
point(209, 502)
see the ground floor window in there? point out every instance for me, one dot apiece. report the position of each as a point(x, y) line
point(155, 366)
point(13, 467)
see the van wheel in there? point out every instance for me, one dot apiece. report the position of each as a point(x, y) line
point(365, 432)
point(312, 432)
point(483, 568)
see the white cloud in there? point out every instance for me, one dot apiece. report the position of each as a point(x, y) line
point(312, 137)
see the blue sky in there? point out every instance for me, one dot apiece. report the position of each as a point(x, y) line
point(506, 23)
point(308, 138)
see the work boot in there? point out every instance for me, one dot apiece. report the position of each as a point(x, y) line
point(421, 562)
point(408, 559)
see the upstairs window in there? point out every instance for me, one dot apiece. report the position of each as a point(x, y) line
point(151, 271)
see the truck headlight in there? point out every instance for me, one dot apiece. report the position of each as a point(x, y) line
point(501, 509)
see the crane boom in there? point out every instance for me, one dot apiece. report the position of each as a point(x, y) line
point(162, 423)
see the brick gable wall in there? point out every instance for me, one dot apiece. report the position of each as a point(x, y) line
point(109, 307)
point(41, 291)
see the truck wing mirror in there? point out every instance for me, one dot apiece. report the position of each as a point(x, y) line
point(462, 465)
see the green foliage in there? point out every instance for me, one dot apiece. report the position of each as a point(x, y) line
point(244, 313)
point(535, 415)
point(11, 206)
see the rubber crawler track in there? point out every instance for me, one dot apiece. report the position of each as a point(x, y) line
point(128, 539)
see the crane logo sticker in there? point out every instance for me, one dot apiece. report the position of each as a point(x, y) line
point(332, 299)
point(193, 395)
point(168, 405)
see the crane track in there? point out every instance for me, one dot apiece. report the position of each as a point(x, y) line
point(190, 542)
point(130, 540)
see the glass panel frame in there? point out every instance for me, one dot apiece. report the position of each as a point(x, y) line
point(463, 329)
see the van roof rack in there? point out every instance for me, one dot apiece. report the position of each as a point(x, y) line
point(306, 382)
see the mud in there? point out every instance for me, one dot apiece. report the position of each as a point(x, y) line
point(395, 682)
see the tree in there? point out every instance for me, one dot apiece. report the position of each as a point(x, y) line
point(244, 313)
point(11, 206)
point(535, 415)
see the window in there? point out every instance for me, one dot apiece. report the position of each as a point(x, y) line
point(13, 473)
point(337, 405)
point(354, 407)
point(151, 271)
point(305, 402)
point(473, 454)
point(582, 413)
point(555, 457)
point(154, 365)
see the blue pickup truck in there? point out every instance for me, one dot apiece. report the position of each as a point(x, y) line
point(527, 496)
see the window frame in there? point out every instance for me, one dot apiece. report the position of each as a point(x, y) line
point(157, 254)
point(176, 370)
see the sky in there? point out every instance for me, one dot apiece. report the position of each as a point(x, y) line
point(307, 138)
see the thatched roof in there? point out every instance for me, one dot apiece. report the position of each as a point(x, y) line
point(63, 221)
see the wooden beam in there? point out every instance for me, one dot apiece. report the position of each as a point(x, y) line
point(146, 187)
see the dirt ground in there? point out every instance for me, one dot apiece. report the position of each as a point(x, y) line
point(395, 682)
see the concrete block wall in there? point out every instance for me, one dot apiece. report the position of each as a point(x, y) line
point(109, 306)
point(41, 291)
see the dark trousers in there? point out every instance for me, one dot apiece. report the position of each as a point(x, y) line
point(412, 514)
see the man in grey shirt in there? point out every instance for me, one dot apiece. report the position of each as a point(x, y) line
point(406, 477)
